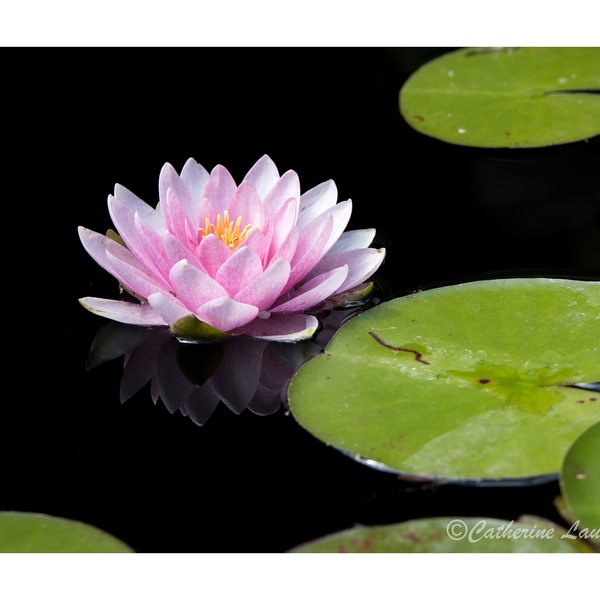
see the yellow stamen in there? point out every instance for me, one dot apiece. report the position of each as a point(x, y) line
point(226, 230)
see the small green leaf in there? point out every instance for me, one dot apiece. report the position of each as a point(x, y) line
point(506, 97)
point(111, 234)
point(580, 481)
point(451, 534)
point(190, 328)
point(465, 382)
point(33, 532)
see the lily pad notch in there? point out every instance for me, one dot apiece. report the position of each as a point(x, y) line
point(506, 97)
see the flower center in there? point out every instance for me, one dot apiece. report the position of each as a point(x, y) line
point(226, 230)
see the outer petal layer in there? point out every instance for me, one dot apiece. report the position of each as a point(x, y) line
point(362, 263)
point(313, 291)
point(282, 327)
point(119, 262)
point(353, 239)
point(124, 312)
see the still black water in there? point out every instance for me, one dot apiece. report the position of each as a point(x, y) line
point(85, 119)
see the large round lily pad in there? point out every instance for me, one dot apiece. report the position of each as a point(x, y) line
point(506, 97)
point(580, 483)
point(34, 532)
point(451, 534)
point(467, 382)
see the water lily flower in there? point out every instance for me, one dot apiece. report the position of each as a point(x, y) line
point(215, 258)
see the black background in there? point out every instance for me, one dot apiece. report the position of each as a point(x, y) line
point(78, 120)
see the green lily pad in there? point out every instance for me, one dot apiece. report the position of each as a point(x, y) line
point(506, 97)
point(451, 534)
point(580, 483)
point(33, 532)
point(466, 382)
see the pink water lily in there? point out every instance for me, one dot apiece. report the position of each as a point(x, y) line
point(216, 258)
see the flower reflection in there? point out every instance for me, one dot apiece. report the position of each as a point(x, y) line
point(241, 372)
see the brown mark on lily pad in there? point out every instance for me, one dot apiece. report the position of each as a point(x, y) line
point(418, 355)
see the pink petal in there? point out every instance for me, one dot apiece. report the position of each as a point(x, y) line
point(256, 241)
point(287, 187)
point(241, 268)
point(246, 204)
point(353, 239)
point(341, 213)
point(132, 278)
point(263, 175)
point(282, 224)
point(192, 235)
point(207, 211)
point(149, 244)
point(312, 292)
point(176, 219)
point(220, 188)
point(212, 253)
point(152, 216)
point(287, 249)
point(97, 245)
point(310, 249)
point(316, 201)
point(226, 314)
point(195, 177)
point(265, 289)
point(190, 204)
point(124, 312)
point(174, 251)
point(362, 263)
point(119, 262)
point(166, 306)
point(125, 222)
point(281, 327)
point(192, 286)
point(265, 244)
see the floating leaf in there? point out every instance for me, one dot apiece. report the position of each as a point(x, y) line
point(451, 534)
point(506, 97)
point(580, 482)
point(465, 382)
point(191, 328)
point(33, 532)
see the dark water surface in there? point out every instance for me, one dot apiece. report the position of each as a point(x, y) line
point(85, 119)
